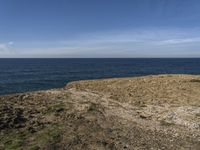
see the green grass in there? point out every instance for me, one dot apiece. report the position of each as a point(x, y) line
point(34, 147)
point(31, 141)
point(15, 144)
point(59, 107)
point(13, 141)
point(51, 134)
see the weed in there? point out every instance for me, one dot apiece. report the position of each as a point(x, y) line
point(93, 107)
point(165, 123)
point(195, 80)
point(56, 108)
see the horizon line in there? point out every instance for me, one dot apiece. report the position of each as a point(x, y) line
point(100, 58)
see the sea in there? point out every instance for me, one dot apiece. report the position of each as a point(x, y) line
point(24, 75)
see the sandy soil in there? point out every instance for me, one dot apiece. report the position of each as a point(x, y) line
point(151, 112)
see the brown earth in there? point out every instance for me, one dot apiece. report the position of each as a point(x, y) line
point(151, 112)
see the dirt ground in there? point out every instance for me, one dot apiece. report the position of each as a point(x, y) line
point(151, 112)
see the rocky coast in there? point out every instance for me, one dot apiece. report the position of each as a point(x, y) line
point(150, 112)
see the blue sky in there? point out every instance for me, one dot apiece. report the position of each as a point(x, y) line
point(99, 28)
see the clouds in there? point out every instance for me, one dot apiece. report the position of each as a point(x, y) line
point(3, 46)
point(152, 43)
point(180, 41)
point(149, 42)
point(153, 35)
point(10, 43)
point(140, 42)
point(6, 49)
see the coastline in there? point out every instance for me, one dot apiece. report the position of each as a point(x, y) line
point(156, 111)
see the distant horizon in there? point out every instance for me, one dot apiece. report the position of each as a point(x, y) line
point(100, 58)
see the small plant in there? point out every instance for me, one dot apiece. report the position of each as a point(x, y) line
point(14, 141)
point(198, 115)
point(195, 80)
point(34, 147)
point(93, 107)
point(54, 135)
point(165, 123)
point(48, 135)
point(56, 108)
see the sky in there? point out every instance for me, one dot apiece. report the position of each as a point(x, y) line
point(99, 28)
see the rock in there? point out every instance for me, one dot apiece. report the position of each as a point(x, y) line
point(145, 116)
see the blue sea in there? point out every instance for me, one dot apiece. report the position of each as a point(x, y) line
point(22, 75)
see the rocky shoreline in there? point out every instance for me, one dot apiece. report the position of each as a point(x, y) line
point(151, 112)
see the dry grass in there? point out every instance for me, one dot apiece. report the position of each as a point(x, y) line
point(152, 112)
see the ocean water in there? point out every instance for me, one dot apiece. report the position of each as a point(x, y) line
point(22, 75)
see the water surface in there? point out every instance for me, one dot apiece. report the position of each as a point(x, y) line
point(22, 75)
